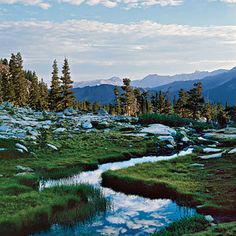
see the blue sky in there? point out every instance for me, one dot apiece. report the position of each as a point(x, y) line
point(105, 38)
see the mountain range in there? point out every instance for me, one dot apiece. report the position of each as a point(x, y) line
point(150, 81)
point(218, 86)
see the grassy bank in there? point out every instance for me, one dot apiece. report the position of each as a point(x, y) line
point(210, 188)
point(24, 210)
point(197, 226)
point(83, 151)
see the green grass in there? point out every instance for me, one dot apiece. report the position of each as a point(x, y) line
point(30, 211)
point(197, 226)
point(24, 209)
point(184, 226)
point(212, 188)
point(76, 152)
point(223, 229)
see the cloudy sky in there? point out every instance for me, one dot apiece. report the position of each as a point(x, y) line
point(126, 38)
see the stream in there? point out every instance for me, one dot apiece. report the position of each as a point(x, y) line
point(129, 214)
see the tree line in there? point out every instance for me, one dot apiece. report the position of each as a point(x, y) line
point(24, 88)
point(188, 104)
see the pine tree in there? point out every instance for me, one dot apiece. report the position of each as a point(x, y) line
point(168, 106)
point(7, 90)
point(19, 80)
point(153, 101)
point(130, 100)
point(182, 104)
point(175, 104)
point(196, 101)
point(43, 91)
point(147, 104)
point(95, 106)
point(68, 98)
point(139, 99)
point(55, 95)
point(208, 111)
point(161, 103)
point(117, 100)
point(222, 116)
point(34, 96)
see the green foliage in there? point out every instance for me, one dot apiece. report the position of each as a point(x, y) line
point(184, 226)
point(66, 86)
point(38, 210)
point(170, 120)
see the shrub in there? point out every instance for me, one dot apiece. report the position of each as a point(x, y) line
point(170, 120)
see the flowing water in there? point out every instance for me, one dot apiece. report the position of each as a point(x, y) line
point(129, 214)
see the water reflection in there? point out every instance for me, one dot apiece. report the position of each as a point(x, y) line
point(130, 214)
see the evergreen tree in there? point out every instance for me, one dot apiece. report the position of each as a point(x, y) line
point(139, 100)
point(182, 104)
point(34, 94)
point(130, 100)
point(222, 116)
point(19, 80)
point(147, 104)
point(55, 95)
point(168, 106)
point(67, 93)
point(196, 101)
point(208, 111)
point(117, 100)
point(6, 84)
point(43, 91)
point(95, 107)
point(161, 103)
point(175, 104)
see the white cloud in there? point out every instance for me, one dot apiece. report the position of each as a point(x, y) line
point(126, 3)
point(97, 50)
point(228, 1)
point(40, 3)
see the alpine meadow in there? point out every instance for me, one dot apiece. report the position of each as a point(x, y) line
point(117, 118)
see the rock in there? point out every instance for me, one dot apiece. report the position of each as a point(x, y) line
point(87, 125)
point(219, 136)
point(59, 130)
point(52, 147)
point(169, 146)
point(69, 112)
point(23, 168)
point(7, 105)
point(209, 150)
point(197, 165)
point(4, 128)
point(217, 155)
point(20, 146)
point(209, 218)
point(103, 125)
point(168, 139)
point(102, 112)
point(20, 150)
point(159, 129)
point(185, 139)
point(232, 151)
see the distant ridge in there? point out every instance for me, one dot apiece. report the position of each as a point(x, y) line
point(112, 81)
point(220, 87)
point(150, 81)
